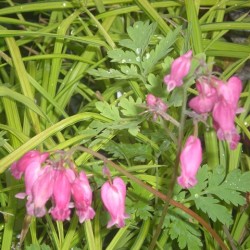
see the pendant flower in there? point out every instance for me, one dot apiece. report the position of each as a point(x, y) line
point(113, 196)
point(190, 161)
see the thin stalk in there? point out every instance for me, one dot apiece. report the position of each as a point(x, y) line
point(175, 172)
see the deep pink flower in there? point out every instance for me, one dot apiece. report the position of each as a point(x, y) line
point(61, 195)
point(32, 172)
point(82, 195)
point(204, 102)
point(224, 111)
point(113, 196)
point(42, 190)
point(224, 115)
point(179, 69)
point(34, 158)
point(230, 92)
point(190, 161)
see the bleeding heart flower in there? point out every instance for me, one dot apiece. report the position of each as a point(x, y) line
point(179, 69)
point(113, 196)
point(190, 161)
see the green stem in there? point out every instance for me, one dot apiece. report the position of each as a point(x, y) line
point(175, 172)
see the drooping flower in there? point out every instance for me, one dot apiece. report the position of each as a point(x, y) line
point(42, 190)
point(34, 158)
point(179, 69)
point(225, 109)
point(32, 172)
point(230, 92)
point(190, 161)
point(113, 196)
point(224, 116)
point(204, 102)
point(82, 195)
point(61, 195)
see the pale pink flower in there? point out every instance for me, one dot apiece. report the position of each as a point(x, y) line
point(34, 158)
point(190, 161)
point(179, 69)
point(82, 195)
point(61, 195)
point(113, 196)
point(42, 190)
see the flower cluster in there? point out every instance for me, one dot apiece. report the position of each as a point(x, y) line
point(46, 180)
point(221, 99)
point(216, 97)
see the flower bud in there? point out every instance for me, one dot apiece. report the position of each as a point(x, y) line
point(179, 69)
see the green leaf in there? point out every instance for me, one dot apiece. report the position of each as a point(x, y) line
point(104, 74)
point(186, 234)
point(160, 51)
point(230, 190)
point(156, 86)
point(215, 211)
point(143, 210)
point(137, 151)
point(120, 56)
point(130, 107)
point(140, 35)
point(107, 110)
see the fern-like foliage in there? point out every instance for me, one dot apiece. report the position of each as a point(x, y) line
point(215, 188)
point(136, 56)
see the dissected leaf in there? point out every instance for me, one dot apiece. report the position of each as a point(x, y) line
point(107, 110)
point(120, 56)
point(160, 51)
point(215, 211)
point(137, 151)
point(186, 234)
point(227, 188)
point(140, 35)
point(103, 74)
point(156, 86)
point(130, 107)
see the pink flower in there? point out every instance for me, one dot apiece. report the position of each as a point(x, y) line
point(113, 196)
point(82, 195)
point(204, 102)
point(179, 69)
point(190, 161)
point(224, 115)
point(156, 106)
point(231, 91)
point(42, 190)
point(34, 158)
point(61, 195)
point(32, 172)
point(225, 110)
